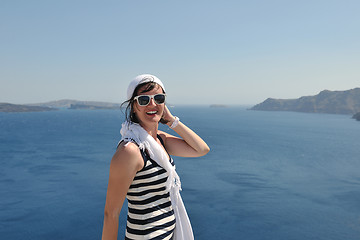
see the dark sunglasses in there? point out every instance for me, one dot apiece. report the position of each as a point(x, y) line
point(144, 100)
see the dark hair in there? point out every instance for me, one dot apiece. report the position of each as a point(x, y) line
point(130, 116)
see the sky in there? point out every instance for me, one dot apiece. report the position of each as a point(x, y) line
point(205, 51)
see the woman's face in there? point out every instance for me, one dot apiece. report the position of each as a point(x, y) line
point(151, 113)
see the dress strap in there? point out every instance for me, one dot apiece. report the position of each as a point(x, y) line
point(162, 142)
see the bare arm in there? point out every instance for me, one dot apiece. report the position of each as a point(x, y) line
point(189, 145)
point(125, 163)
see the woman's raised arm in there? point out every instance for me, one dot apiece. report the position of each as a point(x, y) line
point(189, 145)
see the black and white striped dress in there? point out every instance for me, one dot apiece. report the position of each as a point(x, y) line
point(150, 213)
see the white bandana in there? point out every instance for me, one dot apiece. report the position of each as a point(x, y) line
point(134, 131)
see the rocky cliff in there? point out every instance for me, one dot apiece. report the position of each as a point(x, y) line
point(357, 116)
point(334, 102)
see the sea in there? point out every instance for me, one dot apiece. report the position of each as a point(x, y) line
point(269, 175)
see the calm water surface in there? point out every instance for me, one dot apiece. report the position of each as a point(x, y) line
point(269, 175)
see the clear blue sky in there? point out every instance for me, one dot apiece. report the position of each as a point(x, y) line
point(205, 52)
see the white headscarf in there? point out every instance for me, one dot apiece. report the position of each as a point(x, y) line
point(143, 78)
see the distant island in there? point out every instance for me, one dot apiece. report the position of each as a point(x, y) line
point(8, 107)
point(67, 103)
point(333, 102)
point(91, 107)
point(56, 105)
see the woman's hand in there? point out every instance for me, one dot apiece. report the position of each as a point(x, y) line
point(167, 117)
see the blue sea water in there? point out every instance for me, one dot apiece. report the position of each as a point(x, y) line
point(269, 175)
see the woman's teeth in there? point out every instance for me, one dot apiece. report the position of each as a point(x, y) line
point(151, 112)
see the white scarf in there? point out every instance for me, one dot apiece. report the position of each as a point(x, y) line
point(134, 131)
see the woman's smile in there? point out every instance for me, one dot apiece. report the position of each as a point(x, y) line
point(151, 112)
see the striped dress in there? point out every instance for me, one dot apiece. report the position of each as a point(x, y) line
point(150, 213)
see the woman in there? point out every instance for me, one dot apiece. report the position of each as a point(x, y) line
point(142, 170)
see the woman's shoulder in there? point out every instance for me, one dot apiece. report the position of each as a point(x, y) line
point(128, 153)
point(163, 135)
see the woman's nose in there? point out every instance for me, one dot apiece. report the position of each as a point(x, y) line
point(152, 102)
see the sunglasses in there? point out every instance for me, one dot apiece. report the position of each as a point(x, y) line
point(144, 100)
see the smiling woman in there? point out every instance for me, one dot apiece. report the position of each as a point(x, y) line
point(152, 105)
point(142, 170)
